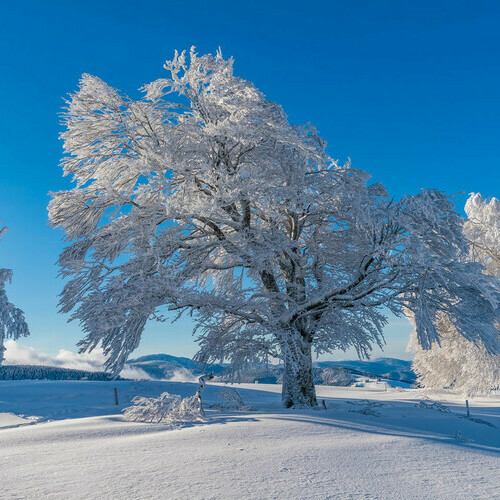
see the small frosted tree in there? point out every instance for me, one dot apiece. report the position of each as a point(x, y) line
point(12, 322)
point(201, 197)
point(455, 362)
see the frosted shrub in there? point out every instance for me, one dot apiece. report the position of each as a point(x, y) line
point(167, 408)
point(152, 409)
point(190, 410)
point(232, 401)
point(336, 376)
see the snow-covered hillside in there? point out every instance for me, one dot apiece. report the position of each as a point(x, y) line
point(68, 440)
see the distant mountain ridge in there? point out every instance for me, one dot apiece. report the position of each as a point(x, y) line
point(391, 368)
point(165, 366)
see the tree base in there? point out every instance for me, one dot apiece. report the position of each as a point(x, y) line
point(298, 386)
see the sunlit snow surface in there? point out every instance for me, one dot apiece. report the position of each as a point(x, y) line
point(68, 440)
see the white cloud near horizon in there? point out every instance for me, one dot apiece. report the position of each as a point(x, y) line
point(18, 354)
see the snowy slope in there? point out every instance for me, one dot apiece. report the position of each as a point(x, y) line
point(368, 444)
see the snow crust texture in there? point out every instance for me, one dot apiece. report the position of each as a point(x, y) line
point(368, 444)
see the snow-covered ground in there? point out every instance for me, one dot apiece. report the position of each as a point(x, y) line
point(68, 440)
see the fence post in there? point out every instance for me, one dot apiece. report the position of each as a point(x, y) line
point(467, 405)
point(116, 396)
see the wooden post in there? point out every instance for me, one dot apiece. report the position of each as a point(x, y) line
point(116, 396)
point(467, 405)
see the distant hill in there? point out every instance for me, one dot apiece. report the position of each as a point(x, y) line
point(164, 366)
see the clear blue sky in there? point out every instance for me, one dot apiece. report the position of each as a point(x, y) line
point(408, 90)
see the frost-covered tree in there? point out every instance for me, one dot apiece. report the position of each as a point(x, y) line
point(200, 197)
point(482, 229)
point(12, 322)
point(455, 362)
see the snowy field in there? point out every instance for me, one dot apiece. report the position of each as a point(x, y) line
point(68, 440)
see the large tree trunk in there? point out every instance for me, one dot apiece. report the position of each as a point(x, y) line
point(298, 382)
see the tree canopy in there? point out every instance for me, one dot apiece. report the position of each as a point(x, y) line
point(201, 197)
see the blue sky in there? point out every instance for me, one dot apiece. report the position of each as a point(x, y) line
point(408, 90)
